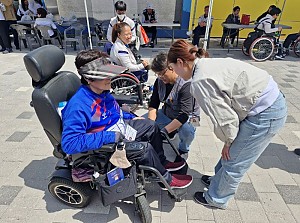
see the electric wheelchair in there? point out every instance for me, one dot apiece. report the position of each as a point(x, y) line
point(52, 87)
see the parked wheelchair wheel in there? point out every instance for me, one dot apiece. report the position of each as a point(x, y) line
point(244, 50)
point(144, 209)
point(261, 49)
point(77, 195)
point(125, 85)
point(297, 48)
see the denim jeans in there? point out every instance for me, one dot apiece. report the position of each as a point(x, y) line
point(186, 132)
point(255, 134)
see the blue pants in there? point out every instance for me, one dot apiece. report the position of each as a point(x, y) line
point(255, 134)
point(186, 132)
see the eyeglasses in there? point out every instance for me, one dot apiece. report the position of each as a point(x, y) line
point(163, 73)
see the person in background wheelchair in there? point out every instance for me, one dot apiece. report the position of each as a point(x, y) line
point(266, 13)
point(179, 105)
point(93, 118)
point(294, 37)
point(121, 54)
point(267, 27)
point(149, 16)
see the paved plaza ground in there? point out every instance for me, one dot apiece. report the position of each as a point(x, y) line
point(269, 192)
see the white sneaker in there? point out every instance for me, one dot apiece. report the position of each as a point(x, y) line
point(230, 45)
point(279, 57)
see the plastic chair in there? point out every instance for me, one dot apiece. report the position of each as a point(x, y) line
point(45, 35)
point(24, 33)
point(74, 34)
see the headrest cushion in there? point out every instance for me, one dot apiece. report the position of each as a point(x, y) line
point(44, 62)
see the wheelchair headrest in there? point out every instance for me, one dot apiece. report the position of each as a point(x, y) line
point(44, 62)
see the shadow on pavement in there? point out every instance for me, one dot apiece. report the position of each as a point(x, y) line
point(278, 156)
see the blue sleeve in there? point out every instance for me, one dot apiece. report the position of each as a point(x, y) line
point(75, 138)
point(128, 115)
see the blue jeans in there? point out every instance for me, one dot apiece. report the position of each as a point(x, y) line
point(255, 134)
point(186, 132)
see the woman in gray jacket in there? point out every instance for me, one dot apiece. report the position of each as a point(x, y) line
point(245, 106)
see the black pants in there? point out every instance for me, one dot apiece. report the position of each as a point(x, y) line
point(151, 30)
point(149, 133)
point(15, 34)
point(289, 39)
point(232, 34)
point(4, 35)
point(198, 32)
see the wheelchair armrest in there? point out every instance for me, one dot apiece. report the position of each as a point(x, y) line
point(108, 148)
point(127, 99)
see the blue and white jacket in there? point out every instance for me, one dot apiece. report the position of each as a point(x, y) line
point(121, 55)
point(86, 118)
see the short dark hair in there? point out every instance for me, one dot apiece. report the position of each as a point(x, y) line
point(86, 56)
point(272, 6)
point(42, 12)
point(120, 5)
point(236, 8)
point(117, 29)
point(275, 11)
point(160, 62)
point(206, 7)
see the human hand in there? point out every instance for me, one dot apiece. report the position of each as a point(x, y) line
point(137, 118)
point(279, 28)
point(225, 152)
point(145, 63)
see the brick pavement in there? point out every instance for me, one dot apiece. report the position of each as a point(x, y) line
point(269, 192)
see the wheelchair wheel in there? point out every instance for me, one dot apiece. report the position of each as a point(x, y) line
point(296, 48)
point(261, 49)
point(77, 195)
point(144, 209)
point(125, 84)
point(244, 50)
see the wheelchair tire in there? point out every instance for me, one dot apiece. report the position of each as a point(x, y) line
point(296, 48)
point(144, 209)
point(244, 50)
point(261, 49)
point(77, 195)
point(125, 84)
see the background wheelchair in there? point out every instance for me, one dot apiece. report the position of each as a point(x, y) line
point(266, 47)
point(53, 87)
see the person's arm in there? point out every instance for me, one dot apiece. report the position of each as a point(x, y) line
point(185, 100)
point(124, 58)
point(109, 31)
point(53, 25)
point(268, 27)
point(128, 115)
point(215, 104)
point(229, 19)
point(75, 138)
point(133, 30)
point(154, 102)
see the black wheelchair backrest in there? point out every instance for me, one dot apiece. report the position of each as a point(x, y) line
point(42, 64)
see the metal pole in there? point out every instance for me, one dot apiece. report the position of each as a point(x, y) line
point(281, 12)
point(194, 13)
point(208, 23)
point(88, 24)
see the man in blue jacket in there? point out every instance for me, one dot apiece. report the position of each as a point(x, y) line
point(93, 118)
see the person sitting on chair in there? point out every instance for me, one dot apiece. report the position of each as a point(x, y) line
point(266, 13)
point(34, 5)
point(201, 28)
point(266, 25)
point(149, 16)
point(179, 106)
point(232, 18)
point(121, 54)
point(43, 21)
point(23, 9)
point(93, 118)
point(286, 45)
